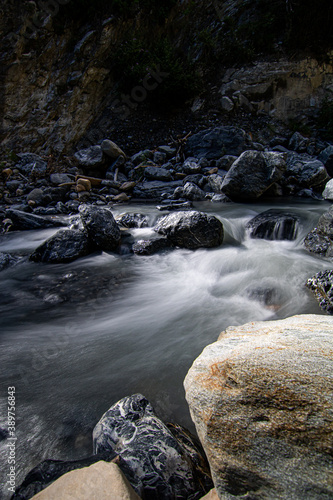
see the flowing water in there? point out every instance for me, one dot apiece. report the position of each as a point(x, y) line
point(76, 338)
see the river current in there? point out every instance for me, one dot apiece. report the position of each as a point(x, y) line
point(75, 338)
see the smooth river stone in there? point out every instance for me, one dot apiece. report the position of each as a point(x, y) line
point(162, 465)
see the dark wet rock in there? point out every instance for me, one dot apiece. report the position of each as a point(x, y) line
point(36, 195)
point(57, 179)
point(149, 247)
point(198, 179)
point(132, 220)
point(191, 229)
point(7, 260)
point(191, 166)
point(142, 156)
point(101, 227)
point(253, 173)
point(159, 157)
point(64, 246)
point(153, 190)
point(309, 193)
point(157, 173)
point(192, 192)
point(269, 296)
point(326, 157)
point(30, 163)
point(320, 239)
point(274, 225)
point(110, 184)
point(226, 161)
point(161, 464)
point(72, 206)
point(316, 242)
point(214, 183)
point(220, 198)
point(175, 205)
point(25, 221)
point(46, 211)
point(322, 286)
point(12, 186)
point(168, 150)
point(304, 171)
point(90, 157)
point(298, 142)
point(48, 471)
point(217, 142)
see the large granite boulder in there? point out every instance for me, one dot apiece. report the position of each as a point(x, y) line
point(216, 142)
point(273, 225)
point(252, 174)
point(191, 229)
point(161, 464)
point(261, 398)
point(102, 481)
point(21, 221)
point(101, 227)
point(320, 239)
point(322, 286)
point(64, 246)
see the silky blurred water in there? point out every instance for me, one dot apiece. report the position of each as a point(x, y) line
point(76, 338)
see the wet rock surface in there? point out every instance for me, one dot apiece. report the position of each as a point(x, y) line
point(20, 221)
point(252, 174)
point(7, 260)
point(320, 239)
point(273, 225)
point(322, 286)
point(65, 246)
point(101, 227)
point(149, 247)
point(191, 229)
point(161, 464)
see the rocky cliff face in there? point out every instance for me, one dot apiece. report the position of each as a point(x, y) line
point(67, 78)
point(261, 400)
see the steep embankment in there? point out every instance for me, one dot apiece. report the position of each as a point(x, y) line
point(137, 71)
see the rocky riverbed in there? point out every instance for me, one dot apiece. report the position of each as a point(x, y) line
point(197, 235)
